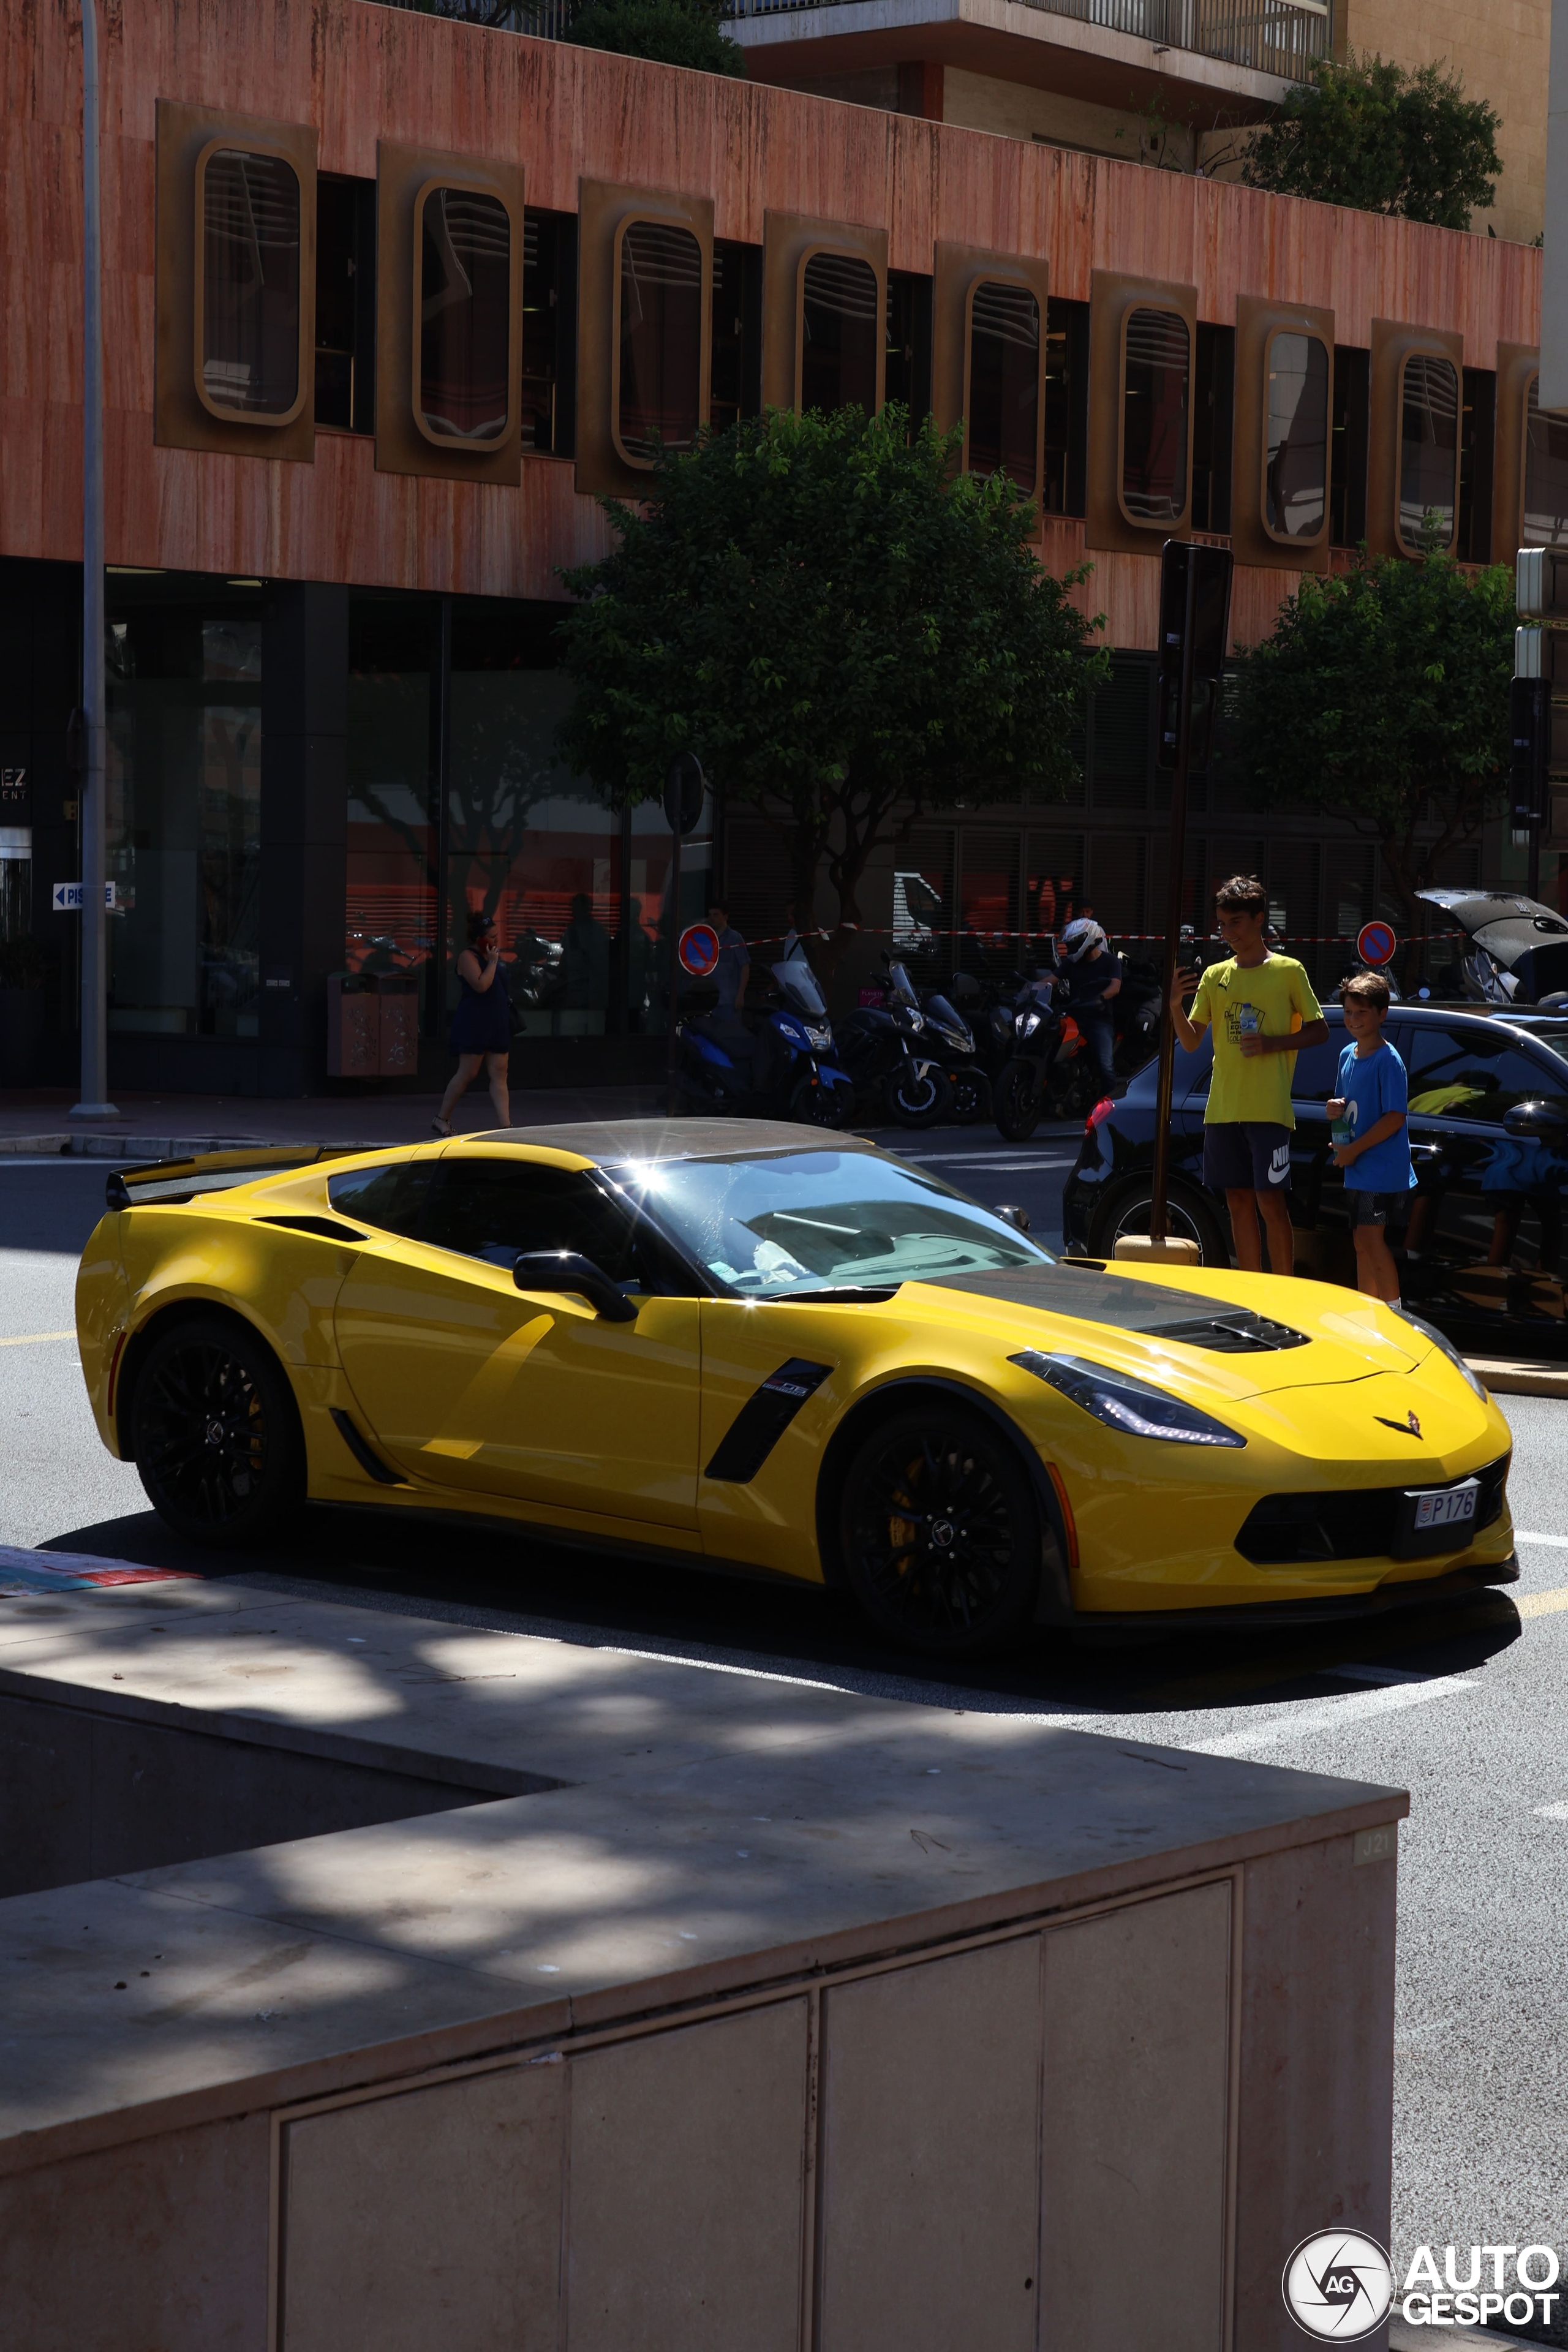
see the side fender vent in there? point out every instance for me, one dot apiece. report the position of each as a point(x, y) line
point(763, 1420)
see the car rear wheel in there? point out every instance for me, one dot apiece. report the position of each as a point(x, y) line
point(940, 1532)
point(215, 1433)
point(1188, 1218)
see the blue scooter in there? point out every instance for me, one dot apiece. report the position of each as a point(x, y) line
point(774, 1065)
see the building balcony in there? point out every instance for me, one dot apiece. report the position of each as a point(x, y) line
point(1203, 63)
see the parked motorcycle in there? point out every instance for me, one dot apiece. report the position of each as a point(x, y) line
point(779, 1062)
point(898, 1057)
point(1049, 1074)
point(1138, 1014)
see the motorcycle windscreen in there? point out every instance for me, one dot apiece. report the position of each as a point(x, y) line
point(797, 984)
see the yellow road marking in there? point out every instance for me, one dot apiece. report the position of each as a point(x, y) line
point(31, 1338)
point(1541, 1604)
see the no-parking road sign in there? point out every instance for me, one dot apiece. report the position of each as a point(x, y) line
point(1375, 943)
point(699, 949)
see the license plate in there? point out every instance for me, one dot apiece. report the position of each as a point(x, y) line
point(1445, 1510)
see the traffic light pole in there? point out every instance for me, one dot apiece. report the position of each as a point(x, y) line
point(1159, 1198)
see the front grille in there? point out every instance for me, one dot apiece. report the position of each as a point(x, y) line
point(1353, 1523)
point(1232, 1335)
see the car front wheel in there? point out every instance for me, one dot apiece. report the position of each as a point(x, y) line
point(940, 1532)
point(215, 1433)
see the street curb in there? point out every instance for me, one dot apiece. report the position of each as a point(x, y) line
point(1506, 1379)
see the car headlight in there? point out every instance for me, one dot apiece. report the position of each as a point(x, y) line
point(1133, 1406)
point(1430, 1331)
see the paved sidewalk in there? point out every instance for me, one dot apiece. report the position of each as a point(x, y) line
point(154, 1125)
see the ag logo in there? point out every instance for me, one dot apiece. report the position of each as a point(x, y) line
point(1338, 2285)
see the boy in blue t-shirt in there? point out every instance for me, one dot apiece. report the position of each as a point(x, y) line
point(1372, 1143)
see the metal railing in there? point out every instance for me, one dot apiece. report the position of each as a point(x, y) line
point(1274, 36)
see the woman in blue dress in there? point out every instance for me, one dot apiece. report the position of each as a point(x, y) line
point(481, 1025)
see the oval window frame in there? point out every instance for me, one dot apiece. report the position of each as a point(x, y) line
point(1311, 335)
point(1002, 277)
point(1447, 359)
point(643, 217)
point(1165, 524)
point(478, 186)
point(272, 420)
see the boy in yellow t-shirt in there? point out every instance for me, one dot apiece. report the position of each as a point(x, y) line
point(1263, 1011)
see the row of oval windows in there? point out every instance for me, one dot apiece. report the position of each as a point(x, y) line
point(249, 208)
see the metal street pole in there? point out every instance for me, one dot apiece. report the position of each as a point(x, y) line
point(94, 1103)
point(1178, 857)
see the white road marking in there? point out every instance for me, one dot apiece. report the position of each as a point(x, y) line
point(1557, 1812)
point(1365, 1707)
point(1558, 1543)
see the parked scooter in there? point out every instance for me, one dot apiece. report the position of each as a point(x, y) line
point(897, 1056)
point(777, 1064)
point(953, 1037)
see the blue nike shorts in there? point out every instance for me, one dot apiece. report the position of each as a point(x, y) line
point(1247, 1155)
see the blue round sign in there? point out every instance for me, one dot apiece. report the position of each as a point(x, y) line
point(1376, 943)
point(699, 949)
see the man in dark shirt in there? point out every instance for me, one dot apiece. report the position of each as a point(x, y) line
point(1094, 976)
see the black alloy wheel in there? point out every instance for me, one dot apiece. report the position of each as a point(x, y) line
point(1019, 1101)
point(940, 1532)
point(919, 1094)
point(821, 1104)
point(970, 1096)
point(217, 1433)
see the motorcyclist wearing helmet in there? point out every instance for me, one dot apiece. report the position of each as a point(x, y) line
point(1094, 976)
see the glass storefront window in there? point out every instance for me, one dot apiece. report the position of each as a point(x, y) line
point(465, 316)
point(1296, 450)
point(1003, 381)
point(1545, 473)
point(183, 818)
point(838, 333)
point(528, 842)
point(389, 911)
point(1156, 364)
point(658, 402)
point(1428, 449)
point(248, 207)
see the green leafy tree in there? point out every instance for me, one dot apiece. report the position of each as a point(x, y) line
point(672, 32)
point(844, 629)
point(1383, 138)
point(1382, 695)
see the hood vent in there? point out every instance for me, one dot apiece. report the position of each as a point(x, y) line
point(1232, 1335)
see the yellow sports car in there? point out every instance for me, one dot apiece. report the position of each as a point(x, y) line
point(769, 1348)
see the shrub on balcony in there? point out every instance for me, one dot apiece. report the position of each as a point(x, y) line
point(670, 32)
point(843, 628)
point(1383, 138)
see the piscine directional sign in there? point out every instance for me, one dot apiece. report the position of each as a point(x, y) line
point(1375, 943)
point(699, 949)
point(67, 897)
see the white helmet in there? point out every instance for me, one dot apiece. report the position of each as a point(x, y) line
point(1081, 939)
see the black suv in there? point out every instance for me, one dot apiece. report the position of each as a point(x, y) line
point(1481, 1252)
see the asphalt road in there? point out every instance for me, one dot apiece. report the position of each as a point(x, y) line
point(1462, 1709)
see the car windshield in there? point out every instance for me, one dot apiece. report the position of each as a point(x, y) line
point(802, 1221)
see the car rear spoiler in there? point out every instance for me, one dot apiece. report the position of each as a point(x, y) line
point(170, 1181)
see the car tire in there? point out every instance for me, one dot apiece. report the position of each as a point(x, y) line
point(1188, 1218)
point(215, 1433)
point(1018, 1102)
point(932, 1468)
point(917, 1098)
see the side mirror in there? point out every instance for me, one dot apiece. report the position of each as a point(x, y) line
point(568, 1270)
point(1537, 1119)
point(1011, 1214)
